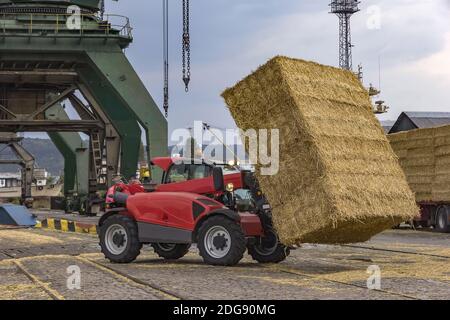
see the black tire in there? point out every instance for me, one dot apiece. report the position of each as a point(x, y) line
point(425, 224)
point(421, 224)
point(269, 249)
point(442, 224)
point(229, 244)
point(171, 251)
point(129, 248)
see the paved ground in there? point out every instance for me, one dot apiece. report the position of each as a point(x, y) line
point(414, 265)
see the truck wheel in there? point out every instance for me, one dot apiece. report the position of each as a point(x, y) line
point(171, 251)
point(119, 239)
point(425, 224)
point(269, 249)
point(221, 242)
point(442, 224)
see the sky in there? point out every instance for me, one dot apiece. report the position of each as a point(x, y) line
point(403, 45)
point(409, 39)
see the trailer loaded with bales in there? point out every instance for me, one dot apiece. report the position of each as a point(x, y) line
point(424, 155)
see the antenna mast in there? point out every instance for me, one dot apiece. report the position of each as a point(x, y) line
point(344, 9)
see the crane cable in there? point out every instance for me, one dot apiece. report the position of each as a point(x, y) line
point(102, 9)
point(166, 55)
point(186, 45)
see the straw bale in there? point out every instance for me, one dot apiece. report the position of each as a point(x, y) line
point(439, 196)
point(442, 150)
point(419, 161)
point(442, 141)
point(394, 138)
point(420, 179)
point(402, 154)
point(427, 161)
point(442, 161)
point(441, 172)
point(443, 131)
point(421, 134)
point(424, 197)
point(399, 145)
point(339, 180)
point(415, 142)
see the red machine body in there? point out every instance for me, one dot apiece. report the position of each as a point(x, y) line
point(176, 216)
point(173, 215)
point(175, 210)
point(178, 207)
point(129, 189)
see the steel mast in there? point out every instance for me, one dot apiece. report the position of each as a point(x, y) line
point(344, 9)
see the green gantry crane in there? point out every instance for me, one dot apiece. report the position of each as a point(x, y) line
point(54, 52)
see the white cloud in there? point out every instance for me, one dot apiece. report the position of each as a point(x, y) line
point(421, 85)
point(232, 37)
point(436, 66)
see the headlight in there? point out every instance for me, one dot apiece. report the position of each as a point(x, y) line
point(233, 163)
point(230, 187)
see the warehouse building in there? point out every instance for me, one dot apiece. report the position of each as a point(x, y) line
point(10, 180)
point(418, 120)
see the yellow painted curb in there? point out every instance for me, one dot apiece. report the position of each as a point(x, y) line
point(67, 226)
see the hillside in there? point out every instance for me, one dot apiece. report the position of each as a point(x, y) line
point(46, 154)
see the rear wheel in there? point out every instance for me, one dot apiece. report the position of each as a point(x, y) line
point(221, 241)
point(269, 249)
point(442, 216)
point(425, 224)
point(421, 224)
point(119, 239)
point(171, 251)
point(416, 224)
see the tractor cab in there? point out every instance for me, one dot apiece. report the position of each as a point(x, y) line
point(183, 169)
point(197, 176)
point(227, 183)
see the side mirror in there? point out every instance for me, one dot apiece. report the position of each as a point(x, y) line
point(249, 180)
point(219, 184)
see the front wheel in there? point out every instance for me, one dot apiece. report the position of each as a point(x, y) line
point(119, 239)
point(171, 251)
point(269, 249)
point(221, 241)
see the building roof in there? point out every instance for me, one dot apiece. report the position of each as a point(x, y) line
point(418, 120)
point(9, 175)
point(387, 125)
point(429, 119)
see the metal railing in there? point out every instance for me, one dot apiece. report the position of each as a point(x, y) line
point(38, 23)
point(123, 25)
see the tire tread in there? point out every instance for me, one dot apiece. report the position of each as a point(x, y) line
point(179, 252)
point(238, 248)
point(133, 237)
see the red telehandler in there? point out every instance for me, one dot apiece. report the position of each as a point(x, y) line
point(196, 203)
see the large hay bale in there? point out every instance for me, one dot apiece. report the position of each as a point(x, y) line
point(425, 158)
point(339, 180)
